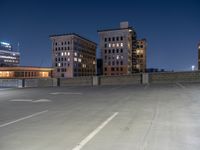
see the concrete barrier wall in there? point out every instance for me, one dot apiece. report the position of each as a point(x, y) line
point(174, 77)
point(164, 77)
point(15, 83)
point(121, 80)
point(50, 82)
point(77, 81)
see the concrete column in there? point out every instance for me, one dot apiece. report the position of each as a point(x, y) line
point(95, 80)
point(145, 78)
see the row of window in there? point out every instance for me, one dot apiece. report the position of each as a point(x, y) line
point(113, 57)
point(114, 69)
point(113, 39)
point(62, 43)
point(114, 45)
point(140, 46)
point(115, 63)
point(113, 51)
point(62, 48)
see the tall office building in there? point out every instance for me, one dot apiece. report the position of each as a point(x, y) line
point(8, 57)
point(199, 56)
point(141, 55)
point(118, 50)
point(73, 56)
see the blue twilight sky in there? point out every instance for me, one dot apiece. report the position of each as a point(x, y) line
point(171, 27)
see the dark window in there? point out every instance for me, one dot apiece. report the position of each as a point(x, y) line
point(117, 69)
point(56, 43)
point(105, 51)
point(113, 39)
point(109, 39)
point(105, 69)
point(121, 38)
point(121, 69)
point(62, 75)
point(105, 39)
point(105, 57)
point(113, 63)
point(117, 50)
point(58, 48)
point(121, 62)
point(112, 69)
point(117, 38)
point(121, 50)
point(62, 43)
point(109, 51)
point(105, 45)
point(65, 42)
point(58, 70)
point(141, 46)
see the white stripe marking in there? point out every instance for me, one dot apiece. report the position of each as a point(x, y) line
point(93, 133)
point(180, 85)
point(21, 119)
point(65, 93)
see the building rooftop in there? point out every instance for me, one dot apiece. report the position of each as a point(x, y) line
point(73, 34)
point(104, 30)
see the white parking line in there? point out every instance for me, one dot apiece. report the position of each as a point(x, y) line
point(27, 117)
point(65, 93)
point(180, 85)
point(93, 133)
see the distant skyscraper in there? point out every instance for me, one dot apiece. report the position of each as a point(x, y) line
point(199, 56)
point(7, 56)
point(118, 49)
point(73, 56)
point(141, 55)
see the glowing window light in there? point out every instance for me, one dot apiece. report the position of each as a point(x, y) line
point(122, 44)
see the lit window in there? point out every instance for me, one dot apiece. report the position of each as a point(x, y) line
point(117, 44)
point(58, 64)
point(122, 44)
point(68, 59)
point(109, 45)
point(117, 56)
point(113, 45)
point(75, 54)
point(75, 59)
point(62, 54)
point(79, 60)
point(65, 53)
point(68, 53)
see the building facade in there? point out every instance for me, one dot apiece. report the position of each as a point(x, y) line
point(141, 55)
point(118, 48)
point(7, 56)
point(199, 56)
point(25, 72)
point(72, 56)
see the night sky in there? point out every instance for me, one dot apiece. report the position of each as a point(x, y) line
point(172, 27)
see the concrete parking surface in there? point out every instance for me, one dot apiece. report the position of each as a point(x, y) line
point(136, 117)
